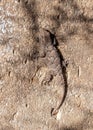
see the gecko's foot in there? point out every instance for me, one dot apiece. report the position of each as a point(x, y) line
point(54, 111)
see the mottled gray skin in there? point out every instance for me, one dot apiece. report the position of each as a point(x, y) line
point(52, 60)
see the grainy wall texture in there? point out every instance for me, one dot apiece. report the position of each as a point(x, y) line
point(29, 85)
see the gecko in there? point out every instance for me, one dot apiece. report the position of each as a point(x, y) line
point(53, 62)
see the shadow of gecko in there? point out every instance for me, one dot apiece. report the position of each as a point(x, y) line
point(63, 66)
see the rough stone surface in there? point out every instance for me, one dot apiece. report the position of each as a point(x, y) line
point(25, 104)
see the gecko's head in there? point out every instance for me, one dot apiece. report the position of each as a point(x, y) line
point(44, 36)
point(48, 37)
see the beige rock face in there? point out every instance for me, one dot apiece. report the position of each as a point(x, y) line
point(25, 104)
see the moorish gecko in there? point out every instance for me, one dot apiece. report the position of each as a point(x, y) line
point(53, 62)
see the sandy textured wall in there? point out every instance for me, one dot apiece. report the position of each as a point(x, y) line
point(25, 103)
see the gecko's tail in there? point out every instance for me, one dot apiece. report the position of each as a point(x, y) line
point(54, 111)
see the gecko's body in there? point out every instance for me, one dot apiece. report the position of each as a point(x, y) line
point(53, 63)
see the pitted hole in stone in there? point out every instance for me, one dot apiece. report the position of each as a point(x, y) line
point(26, 105)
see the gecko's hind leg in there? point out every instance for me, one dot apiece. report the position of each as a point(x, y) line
point(48, 77)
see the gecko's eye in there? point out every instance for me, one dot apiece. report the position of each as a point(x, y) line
point(26, 2)
point(37, 39)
